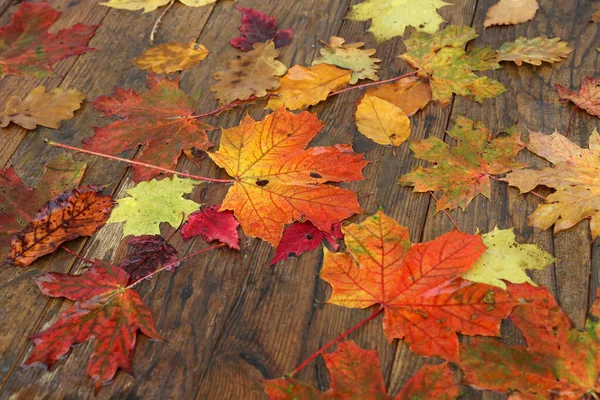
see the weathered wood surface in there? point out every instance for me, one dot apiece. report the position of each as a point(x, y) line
point(230, 319)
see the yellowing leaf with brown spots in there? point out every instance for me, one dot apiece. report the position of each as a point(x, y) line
point(43, 108)
point(534, 51)
point(249, 74)
point(350, 56)
point(382, 121)
point(278, 181)
point(151, 5)
point(306, 86)
point(171, 57)
point(418, 285)
point(511, 12)
point(411, 94)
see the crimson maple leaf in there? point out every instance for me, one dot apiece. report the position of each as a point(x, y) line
point(26, 46)
point(161, 119)
point(105, 309)
point(212, 224)
point(257, 27)
point(302, 237)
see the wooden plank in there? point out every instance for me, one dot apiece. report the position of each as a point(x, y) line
point(123, 36)
point(279, 319)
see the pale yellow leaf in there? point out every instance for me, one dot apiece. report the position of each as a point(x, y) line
point(382, 121)
point(171, 57)
point(151, 5)
point(511, 12)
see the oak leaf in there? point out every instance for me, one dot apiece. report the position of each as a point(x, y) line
point(559, 361)
point(507, 260)
point(74, 213)
point(390, 18)
point(464, 171)
point(534, 51)
point(212, 225)
point(249, 74)
point(306, 86)
point(160, 119)
point(152, 202)
point(151, 5)
point(27, 48)
point(172, 57)
point(278, 181)
point(574, 175)
point(146, 254)
point(302, 237)
point(511, 12)
point(105, 309)
point(587, 99)
point(442, 59)
point(257, 27)
point(381, 121)
point(411, 94)
point(349, 56)
point(419, 286)
point(41, 108)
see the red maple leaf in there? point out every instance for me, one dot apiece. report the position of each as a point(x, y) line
point(212, 224)
point(146, 254)
point(105, 309)
point(302, 237)
point(27, 48)
point(257, 27)
point(161, 119)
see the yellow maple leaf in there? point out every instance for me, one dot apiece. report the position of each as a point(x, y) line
point(381, 121)
point(306, 86)
point(534, 51)
point(171, 57)
point(151, 5)
point(41, 108)
point(511, 12)
point(249, 74)
point(349, 56)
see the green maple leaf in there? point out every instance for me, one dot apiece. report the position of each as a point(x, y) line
point(464, 171)
point(391, 17)
point(442, 59)
point(505, 259)
point(153, 202)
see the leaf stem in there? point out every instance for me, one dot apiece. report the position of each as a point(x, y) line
point(230, 105)
point(334, 341)
point(446, 212)
point(71, 252)
point(158, 21)
point(570, 120)
point(141, 164)
point(170, 265)
point(372, 83)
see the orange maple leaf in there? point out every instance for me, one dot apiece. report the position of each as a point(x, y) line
point(418, 286)
point(278, 181)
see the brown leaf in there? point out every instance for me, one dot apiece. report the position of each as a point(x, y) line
point(41, 108)
point(76, 212)
point(249, 74)
point(171, 57)
point(511, 12)
point(411, 94)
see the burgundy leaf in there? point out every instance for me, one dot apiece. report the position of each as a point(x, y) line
point(146, 254)
point(257, 27)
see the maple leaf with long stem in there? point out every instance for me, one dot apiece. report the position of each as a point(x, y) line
point(464, 171)
point(278, 181)
point(26, 46)
point(160, 119)
point(418, 286)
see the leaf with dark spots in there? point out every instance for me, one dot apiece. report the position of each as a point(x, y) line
point(146, 254)
point(77, 212)
point(104, 309)
point(256, 27)
point(212, 224)
point(301, 237)
point(262, 182)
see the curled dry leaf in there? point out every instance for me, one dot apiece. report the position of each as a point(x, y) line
point(534, 51)
point(212, 224)
point(146, 254)
point(574, 176)
point(257, 27)
point(161, 119)
point(511, 12)
point(306, 86)
point(278, 181)
point(26, 46)
point(464, 171)
point(104, 310)
point(381, 121)
point(172, 57)
point(419, 286)
point(151, 5)
point(77, 212)
point(587, 99)
point(349, 56)
point(153, 202)
point(302, 237)
point(249, 74)
point(41, 108)
point(411, 94)
point(390, 18)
